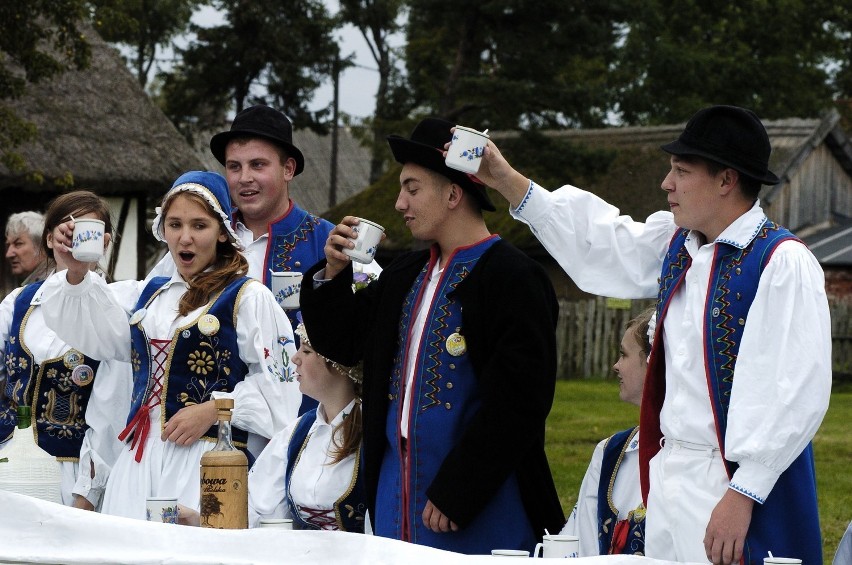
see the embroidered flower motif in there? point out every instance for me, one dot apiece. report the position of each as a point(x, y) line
point(135, 360)
point(201, 362)
point(281, 371)
point(51, 373)
point(183, 397)
point(23, 363)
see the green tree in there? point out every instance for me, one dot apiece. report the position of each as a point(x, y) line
point(680, 55)
point(511, 63)
point(143, 25)
point(840, 26)
point(273, 51)
point(377, 20)
point(38, 40)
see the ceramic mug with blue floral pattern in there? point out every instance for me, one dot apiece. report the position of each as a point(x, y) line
point(87, 243)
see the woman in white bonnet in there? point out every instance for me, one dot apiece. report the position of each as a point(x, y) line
point(206, 332)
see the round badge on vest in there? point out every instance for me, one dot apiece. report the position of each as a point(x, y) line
point(82, 375)
point(456, 345)
point(208, 324)
point(72, 358)
point(138, 316)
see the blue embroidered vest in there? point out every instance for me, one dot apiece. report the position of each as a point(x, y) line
point(607, 514)
point(296, 243)
point(349, 509)
point(445, 396)
point(787, 522)
point(58, 403)
point(197, 365)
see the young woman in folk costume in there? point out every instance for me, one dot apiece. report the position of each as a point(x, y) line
point(310, 471)
point(207, 332)
point(609, 516)
point(78, 401)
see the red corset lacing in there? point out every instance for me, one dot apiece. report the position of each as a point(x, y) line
point(140, 425)
point(323, 519)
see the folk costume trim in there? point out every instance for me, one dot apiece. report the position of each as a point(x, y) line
point(208, 356)
point(618, 536)
point(286, 238)
point(442, 378)
point(353, 499)
point(736, 270)
point(54, 389)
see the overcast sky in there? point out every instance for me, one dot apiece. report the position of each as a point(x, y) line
point(358, 84)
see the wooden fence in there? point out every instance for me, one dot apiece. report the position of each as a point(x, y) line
point(589, 332)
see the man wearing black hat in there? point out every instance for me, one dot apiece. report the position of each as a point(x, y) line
point(740, 373)
point(260, 160)
point(453, 447)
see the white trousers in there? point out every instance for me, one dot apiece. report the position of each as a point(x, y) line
point(686, 482)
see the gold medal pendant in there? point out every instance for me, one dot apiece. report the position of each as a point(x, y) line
point(456, 345)
point(208, 324)
point(72, 358)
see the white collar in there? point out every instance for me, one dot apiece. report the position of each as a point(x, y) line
point(740, 232)
point(322, 418)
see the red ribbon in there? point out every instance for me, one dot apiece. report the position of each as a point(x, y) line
point(619, 537)
point(140, 425)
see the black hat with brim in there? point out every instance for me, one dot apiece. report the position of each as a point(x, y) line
point(732, 136)
point(425, 148)
point(261, 122)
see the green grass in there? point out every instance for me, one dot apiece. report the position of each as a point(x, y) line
point(586, 411)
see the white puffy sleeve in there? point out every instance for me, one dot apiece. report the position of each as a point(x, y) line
point(267, 496)
point(603, 252)
point(91, 316)
point(583, 521)
point(106, 415)
point(782, 380)
point(268, 399)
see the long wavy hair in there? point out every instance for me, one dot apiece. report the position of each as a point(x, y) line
point(351, 428)
point(228, 266)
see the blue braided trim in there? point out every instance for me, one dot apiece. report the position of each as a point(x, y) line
point(746, 492)
point(526, 199)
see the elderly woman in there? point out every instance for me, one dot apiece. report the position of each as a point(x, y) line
point(24, 250)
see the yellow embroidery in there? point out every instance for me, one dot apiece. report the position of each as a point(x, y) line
point(135, 360)
point(200, 362)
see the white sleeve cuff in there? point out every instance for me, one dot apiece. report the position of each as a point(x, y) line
point(754, 480)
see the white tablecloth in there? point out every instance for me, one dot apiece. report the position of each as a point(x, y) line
point(35, 531)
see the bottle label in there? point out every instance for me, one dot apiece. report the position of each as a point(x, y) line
point(217, 484)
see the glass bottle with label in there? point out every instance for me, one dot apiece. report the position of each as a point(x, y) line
point(224, 478)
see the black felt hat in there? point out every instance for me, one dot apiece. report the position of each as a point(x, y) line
point(263, 122)
point(732, 136)
point(424, 148)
